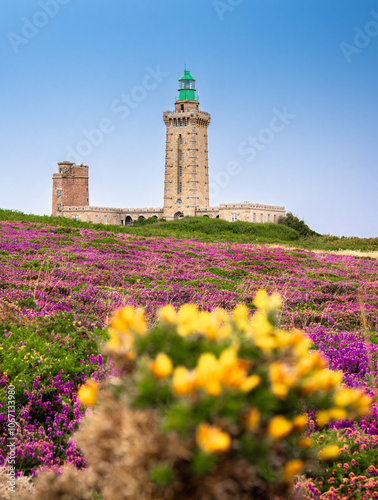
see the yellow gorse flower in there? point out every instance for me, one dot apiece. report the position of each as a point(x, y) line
point(265, 303)
point(183, 381)
point(282, 377)
point(162, 366)
point(300, 422)
point(167, 314)
point(355, 399)
point(227, 372)
point(252, 419)
point(211, 439)
point(187, 319)
point(87, 393)
point(329, 452)
point(279, 427)
point(291, 469)
point(125, 323)
point(128, 318)
point(208, 374)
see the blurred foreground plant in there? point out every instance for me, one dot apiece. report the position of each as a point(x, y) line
point(213, 407)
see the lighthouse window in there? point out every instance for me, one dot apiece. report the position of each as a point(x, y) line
point(59, 193)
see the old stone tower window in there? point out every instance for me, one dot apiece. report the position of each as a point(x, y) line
point(96, 219)
point(275, 218)
point(59, 194)
point(105, 219)
point(254, 217)
point(180, 187)
point(180, 155)
point(268, 217)
point(180, 139)
point(59, 207)
point(182, 107)
point(234, 217)
point(261, 217)
point(180, 170)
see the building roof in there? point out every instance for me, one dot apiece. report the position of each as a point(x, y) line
point(187, 76)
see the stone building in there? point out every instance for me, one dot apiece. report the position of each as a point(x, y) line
point(186, 179)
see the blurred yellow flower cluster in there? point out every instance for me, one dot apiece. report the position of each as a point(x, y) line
point(211, 439)
point(188, 319)
point(210, 374)
point(124, 325)
point(231, 379)
point(349, 403)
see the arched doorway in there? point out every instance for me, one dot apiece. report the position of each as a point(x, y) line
point(128, 221)
point(205, 216)
point(179, 215)
point(141, 217)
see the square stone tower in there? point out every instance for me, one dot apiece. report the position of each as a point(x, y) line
point(70, 187)
point(186, 182)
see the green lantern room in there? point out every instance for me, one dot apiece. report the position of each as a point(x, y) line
point(187, 98)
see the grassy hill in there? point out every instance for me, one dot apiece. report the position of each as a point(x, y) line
point(207, 229)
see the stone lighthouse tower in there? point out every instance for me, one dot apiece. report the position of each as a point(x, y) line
point(186, 183)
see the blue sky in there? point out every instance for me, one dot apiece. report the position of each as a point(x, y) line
point(68, 64)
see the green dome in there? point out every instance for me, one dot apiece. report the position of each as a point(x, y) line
point(187, 76)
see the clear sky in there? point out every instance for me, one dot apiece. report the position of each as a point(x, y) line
point(291, 87)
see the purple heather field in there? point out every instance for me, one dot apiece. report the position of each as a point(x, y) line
point(45, 271)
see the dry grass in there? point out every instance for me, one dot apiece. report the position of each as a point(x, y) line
point(352, 253)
